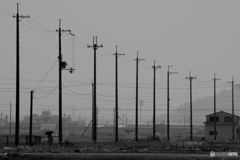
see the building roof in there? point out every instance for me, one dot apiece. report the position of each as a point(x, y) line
point(221, 112)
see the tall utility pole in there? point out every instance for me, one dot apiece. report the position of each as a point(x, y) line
point(190, 79)
point(154, 99)
point(10, 125)
point(232, 109)
point(31, 113)
point(95, 47)
point(17, 74)
point(62, 66)
point(1, 122)
point(136, 123)
point(215, 130)
point(92, 111)
point(168, 99)
point(116, 96)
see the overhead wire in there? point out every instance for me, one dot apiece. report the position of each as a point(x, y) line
point(74, 95)
point(40, 27)
point(83, 94)
point(126, 102)
point(47, 94)
point(72, 45)
point(5, 14)
point(80, 41)
point(7, 11)
point(45, 76)
point(124, 59)
point(37, 14)
point(33, 28)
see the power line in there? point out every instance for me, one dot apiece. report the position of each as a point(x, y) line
point(47, 94)
point(5, 14)
point(73, 44)
point(75, 92)
point(7, 11)
point(80, 41)
point(37, 14)
point(40, 27)
point(73, 95)
point(33, 28)
point(45, 76)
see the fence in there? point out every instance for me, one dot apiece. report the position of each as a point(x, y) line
point(9, 140)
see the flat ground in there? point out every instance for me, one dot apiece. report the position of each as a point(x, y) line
point(117, 156)
point(143, 149)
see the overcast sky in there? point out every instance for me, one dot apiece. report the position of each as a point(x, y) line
point(197, 36)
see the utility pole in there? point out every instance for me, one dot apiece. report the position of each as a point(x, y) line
point(126, 119)
point(62, 66)
point(93, 111)
point(232, 109)
point(1, 128)
point(215, 130)
point(64, 124)
point(154, 99)
point(95, 47)
point(116, 95)
point(184, 120)
point(96, 120)
point(10, 127)
point(136, 123)
point(6, 117)
point(190, 79)
point(18, 74)
point(31, 113)
point(168, 99)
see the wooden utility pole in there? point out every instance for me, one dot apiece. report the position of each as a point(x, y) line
point(17, 75)
point(136, 122)
point(168, 99)
point(191, 126)
point(10, 125)
point(31, 113)
point(215, 130)
point(95, 47)
point(233, 136)
point(92, 112)
point(116, 95)
point(62, 66)
point(154, 99)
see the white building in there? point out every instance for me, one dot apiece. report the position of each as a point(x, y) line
point(224, 127)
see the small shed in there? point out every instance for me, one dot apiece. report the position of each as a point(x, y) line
point(224, 127)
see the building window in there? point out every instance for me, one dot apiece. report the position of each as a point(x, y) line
point(212, 119)
point(212, 132)
point(228, 119)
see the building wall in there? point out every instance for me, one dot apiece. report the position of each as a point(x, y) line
point(224, 131)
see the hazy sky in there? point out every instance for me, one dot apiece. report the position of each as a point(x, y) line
point(197, 36)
